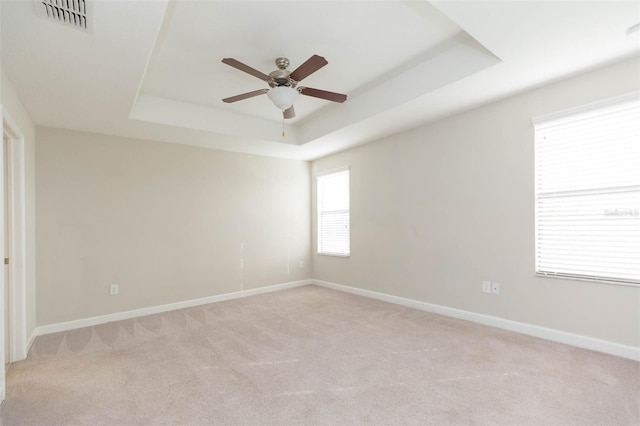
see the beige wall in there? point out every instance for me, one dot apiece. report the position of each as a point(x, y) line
point(437, 210)
point(166, 222)
point(16, 114)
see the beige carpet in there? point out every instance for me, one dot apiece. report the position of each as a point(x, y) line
point(314, 356)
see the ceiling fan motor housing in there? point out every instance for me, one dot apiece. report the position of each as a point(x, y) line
point(280, 77)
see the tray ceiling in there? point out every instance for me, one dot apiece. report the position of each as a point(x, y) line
point(153, 70)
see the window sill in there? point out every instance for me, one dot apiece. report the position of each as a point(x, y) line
point(334, 254)
point(592, 280)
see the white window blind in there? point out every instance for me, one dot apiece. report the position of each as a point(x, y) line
point(333, 213)
point(587, 186)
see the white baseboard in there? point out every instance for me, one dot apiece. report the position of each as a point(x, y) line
point(118, 316)
point(577, 340)
point(30, 342)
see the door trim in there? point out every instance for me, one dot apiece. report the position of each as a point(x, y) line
point(17, 242)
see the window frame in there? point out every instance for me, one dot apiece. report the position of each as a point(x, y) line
point(545, 119)
point(319, 211)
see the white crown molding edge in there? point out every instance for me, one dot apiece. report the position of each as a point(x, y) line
point(554, 335)
point(118, 316)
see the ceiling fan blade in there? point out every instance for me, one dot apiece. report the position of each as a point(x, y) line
point(323, 94)
point(289, 112)
point(246, 68)
point(312, 65)
point(245, 96)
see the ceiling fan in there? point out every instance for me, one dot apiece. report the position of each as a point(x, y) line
point(283, 83)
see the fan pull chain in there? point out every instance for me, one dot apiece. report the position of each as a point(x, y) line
point(283, 126)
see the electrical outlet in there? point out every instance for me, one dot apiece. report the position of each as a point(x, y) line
point(113, 289)
point(495, 288)
point(486, 286)
point(301, 264)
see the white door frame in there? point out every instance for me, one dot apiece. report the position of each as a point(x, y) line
point(17, 242)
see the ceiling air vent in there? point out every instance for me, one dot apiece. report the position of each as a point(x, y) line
point(69, 12)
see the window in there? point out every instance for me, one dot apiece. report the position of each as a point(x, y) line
point(587, 189)
point(333, 213)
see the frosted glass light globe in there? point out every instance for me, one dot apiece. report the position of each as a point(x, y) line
point(282, 96)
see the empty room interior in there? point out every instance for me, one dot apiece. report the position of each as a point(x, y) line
point(320, 212)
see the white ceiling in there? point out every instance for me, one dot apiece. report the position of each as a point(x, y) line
point(152, 70)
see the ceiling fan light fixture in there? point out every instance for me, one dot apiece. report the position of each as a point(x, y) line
point(282, 96)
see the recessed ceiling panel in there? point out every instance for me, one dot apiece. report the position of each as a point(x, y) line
point(362, 42)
